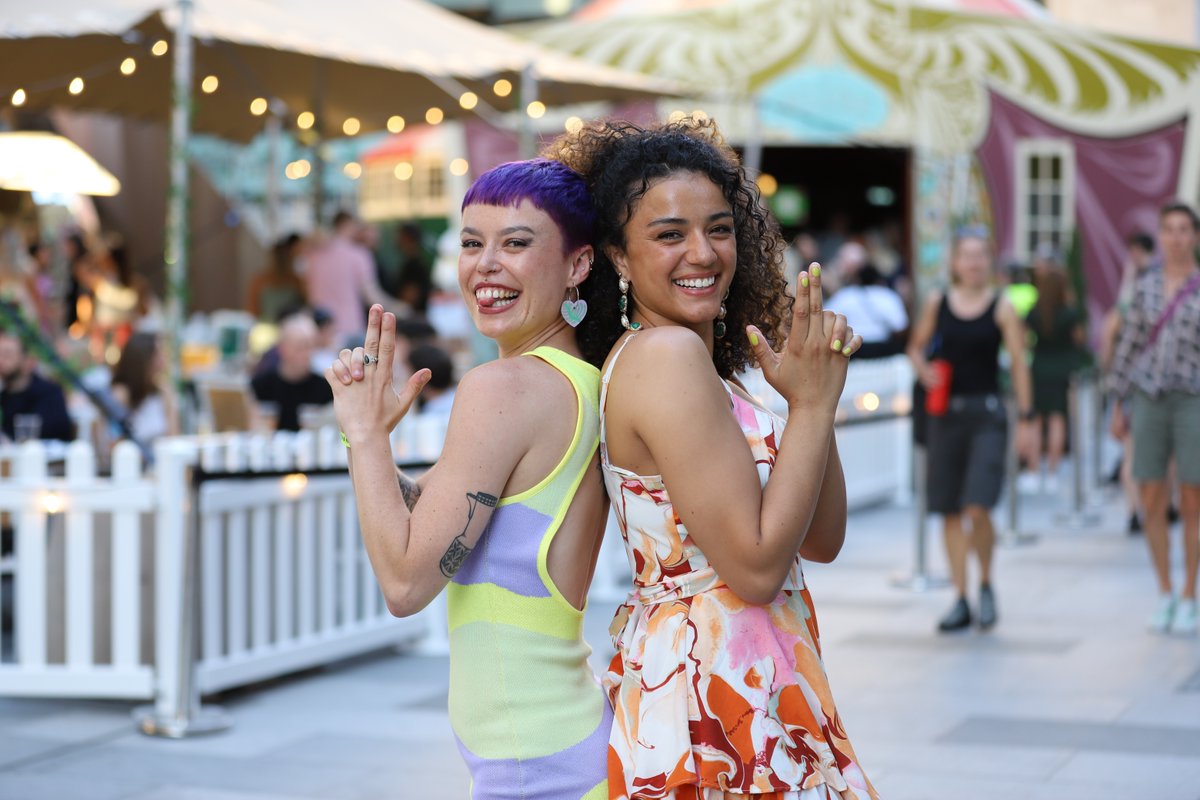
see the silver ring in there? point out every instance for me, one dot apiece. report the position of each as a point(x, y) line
point(369, 359)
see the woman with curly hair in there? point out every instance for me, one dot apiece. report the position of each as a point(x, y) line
point(717, 685)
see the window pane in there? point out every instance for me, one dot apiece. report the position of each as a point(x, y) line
point(1056, 168)
point(1033, 168)
point(1056, 205)
point(1034, 205)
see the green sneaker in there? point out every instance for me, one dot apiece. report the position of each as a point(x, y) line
point(1160, 620)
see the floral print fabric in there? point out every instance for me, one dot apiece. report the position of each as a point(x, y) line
point(712, 695)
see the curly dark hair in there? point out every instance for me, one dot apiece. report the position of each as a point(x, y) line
point(620, 162)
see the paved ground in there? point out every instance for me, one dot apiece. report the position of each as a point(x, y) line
point(1070, 698)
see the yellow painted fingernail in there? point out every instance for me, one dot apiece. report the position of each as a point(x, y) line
point(837, 344)
point(846, 350)
point(816, 271)
point(804, 282)
point(754, 340)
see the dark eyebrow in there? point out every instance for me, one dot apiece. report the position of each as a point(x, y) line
point(681, 221)
point(505, 232)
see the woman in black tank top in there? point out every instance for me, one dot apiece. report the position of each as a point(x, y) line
point(967, 444)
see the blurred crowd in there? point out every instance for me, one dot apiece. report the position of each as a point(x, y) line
point(83, 353)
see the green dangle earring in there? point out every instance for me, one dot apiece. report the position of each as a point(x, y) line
point(623, 305)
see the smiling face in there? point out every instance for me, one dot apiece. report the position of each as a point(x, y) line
point(680, 253)
point(971, 263)
point(514, 273)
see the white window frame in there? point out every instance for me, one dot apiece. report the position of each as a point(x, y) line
point(383, 196)
point(1026, 150)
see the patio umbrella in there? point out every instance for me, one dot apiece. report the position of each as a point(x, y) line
point(355, 65)
point(333, 68)
point(45, 162)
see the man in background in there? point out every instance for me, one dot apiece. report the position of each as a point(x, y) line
point(292, 383)
point(39, 405)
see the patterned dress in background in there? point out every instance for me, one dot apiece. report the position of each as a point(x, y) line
point(712, 695)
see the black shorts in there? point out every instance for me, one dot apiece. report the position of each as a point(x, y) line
point(967, 447)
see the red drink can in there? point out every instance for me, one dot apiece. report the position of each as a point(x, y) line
point(937, 398)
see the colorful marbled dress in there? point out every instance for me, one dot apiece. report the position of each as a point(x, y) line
point(531, 720)
point(714, 696)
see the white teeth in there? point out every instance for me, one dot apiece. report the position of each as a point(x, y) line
point(697, 283)
point(495, 294)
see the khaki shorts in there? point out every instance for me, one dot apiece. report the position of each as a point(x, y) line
point(1163, 427)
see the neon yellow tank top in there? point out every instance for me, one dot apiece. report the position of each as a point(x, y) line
point(530, 717)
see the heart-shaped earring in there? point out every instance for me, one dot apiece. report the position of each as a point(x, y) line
point(573, 311)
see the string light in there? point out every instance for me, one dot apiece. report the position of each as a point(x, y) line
point(536, 109)
point(293, 485)
point(210, 84)
point(160, 47)
point(298, 169)
point(353, 170)
point(128, 66)
point(305, 120)
point(573, 125)
point(76, 86)
point(767, 184)
point(53, 503)
point(459, 167)
point(700, 114)
point(468, 100)
point(502, 88)
point(258, 106)
point(395, 124)
point(351, 126)
point(676, 116)
point(403, 171)
point(18, 97)
point(434, 116)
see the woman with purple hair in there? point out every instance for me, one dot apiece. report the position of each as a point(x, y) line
point(510, 519)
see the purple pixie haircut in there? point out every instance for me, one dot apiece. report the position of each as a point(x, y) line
point(550, 186)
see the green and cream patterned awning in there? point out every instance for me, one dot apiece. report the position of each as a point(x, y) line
point(891, 72)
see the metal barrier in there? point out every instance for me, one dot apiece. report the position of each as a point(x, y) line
point(920, 579)
point(1078, 516)
point(1011, 534)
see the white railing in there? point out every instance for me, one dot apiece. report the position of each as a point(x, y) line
point(78, 622)
point(265, 529)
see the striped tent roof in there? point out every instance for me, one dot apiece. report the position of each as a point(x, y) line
point(888, 71)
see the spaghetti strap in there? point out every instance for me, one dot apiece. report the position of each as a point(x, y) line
point(604, 395)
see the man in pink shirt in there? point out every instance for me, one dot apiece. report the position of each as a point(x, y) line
point(340, 277)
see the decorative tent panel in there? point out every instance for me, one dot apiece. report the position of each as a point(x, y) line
point(932, 66)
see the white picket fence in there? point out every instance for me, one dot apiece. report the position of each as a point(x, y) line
point(267, 534)
point(239, 557)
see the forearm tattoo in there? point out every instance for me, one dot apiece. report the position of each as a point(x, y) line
point(458, 551)
point(408, 488)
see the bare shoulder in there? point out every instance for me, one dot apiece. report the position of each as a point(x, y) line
point(1006, 312)
point(515, 388)
point(932, 301)
point(666, 366)
point(666, 350)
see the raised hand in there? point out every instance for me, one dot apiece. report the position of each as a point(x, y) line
point(365, 401)
point(810, 370)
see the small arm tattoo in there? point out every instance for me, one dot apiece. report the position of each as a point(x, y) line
point(409, 489)
point(458, 551)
